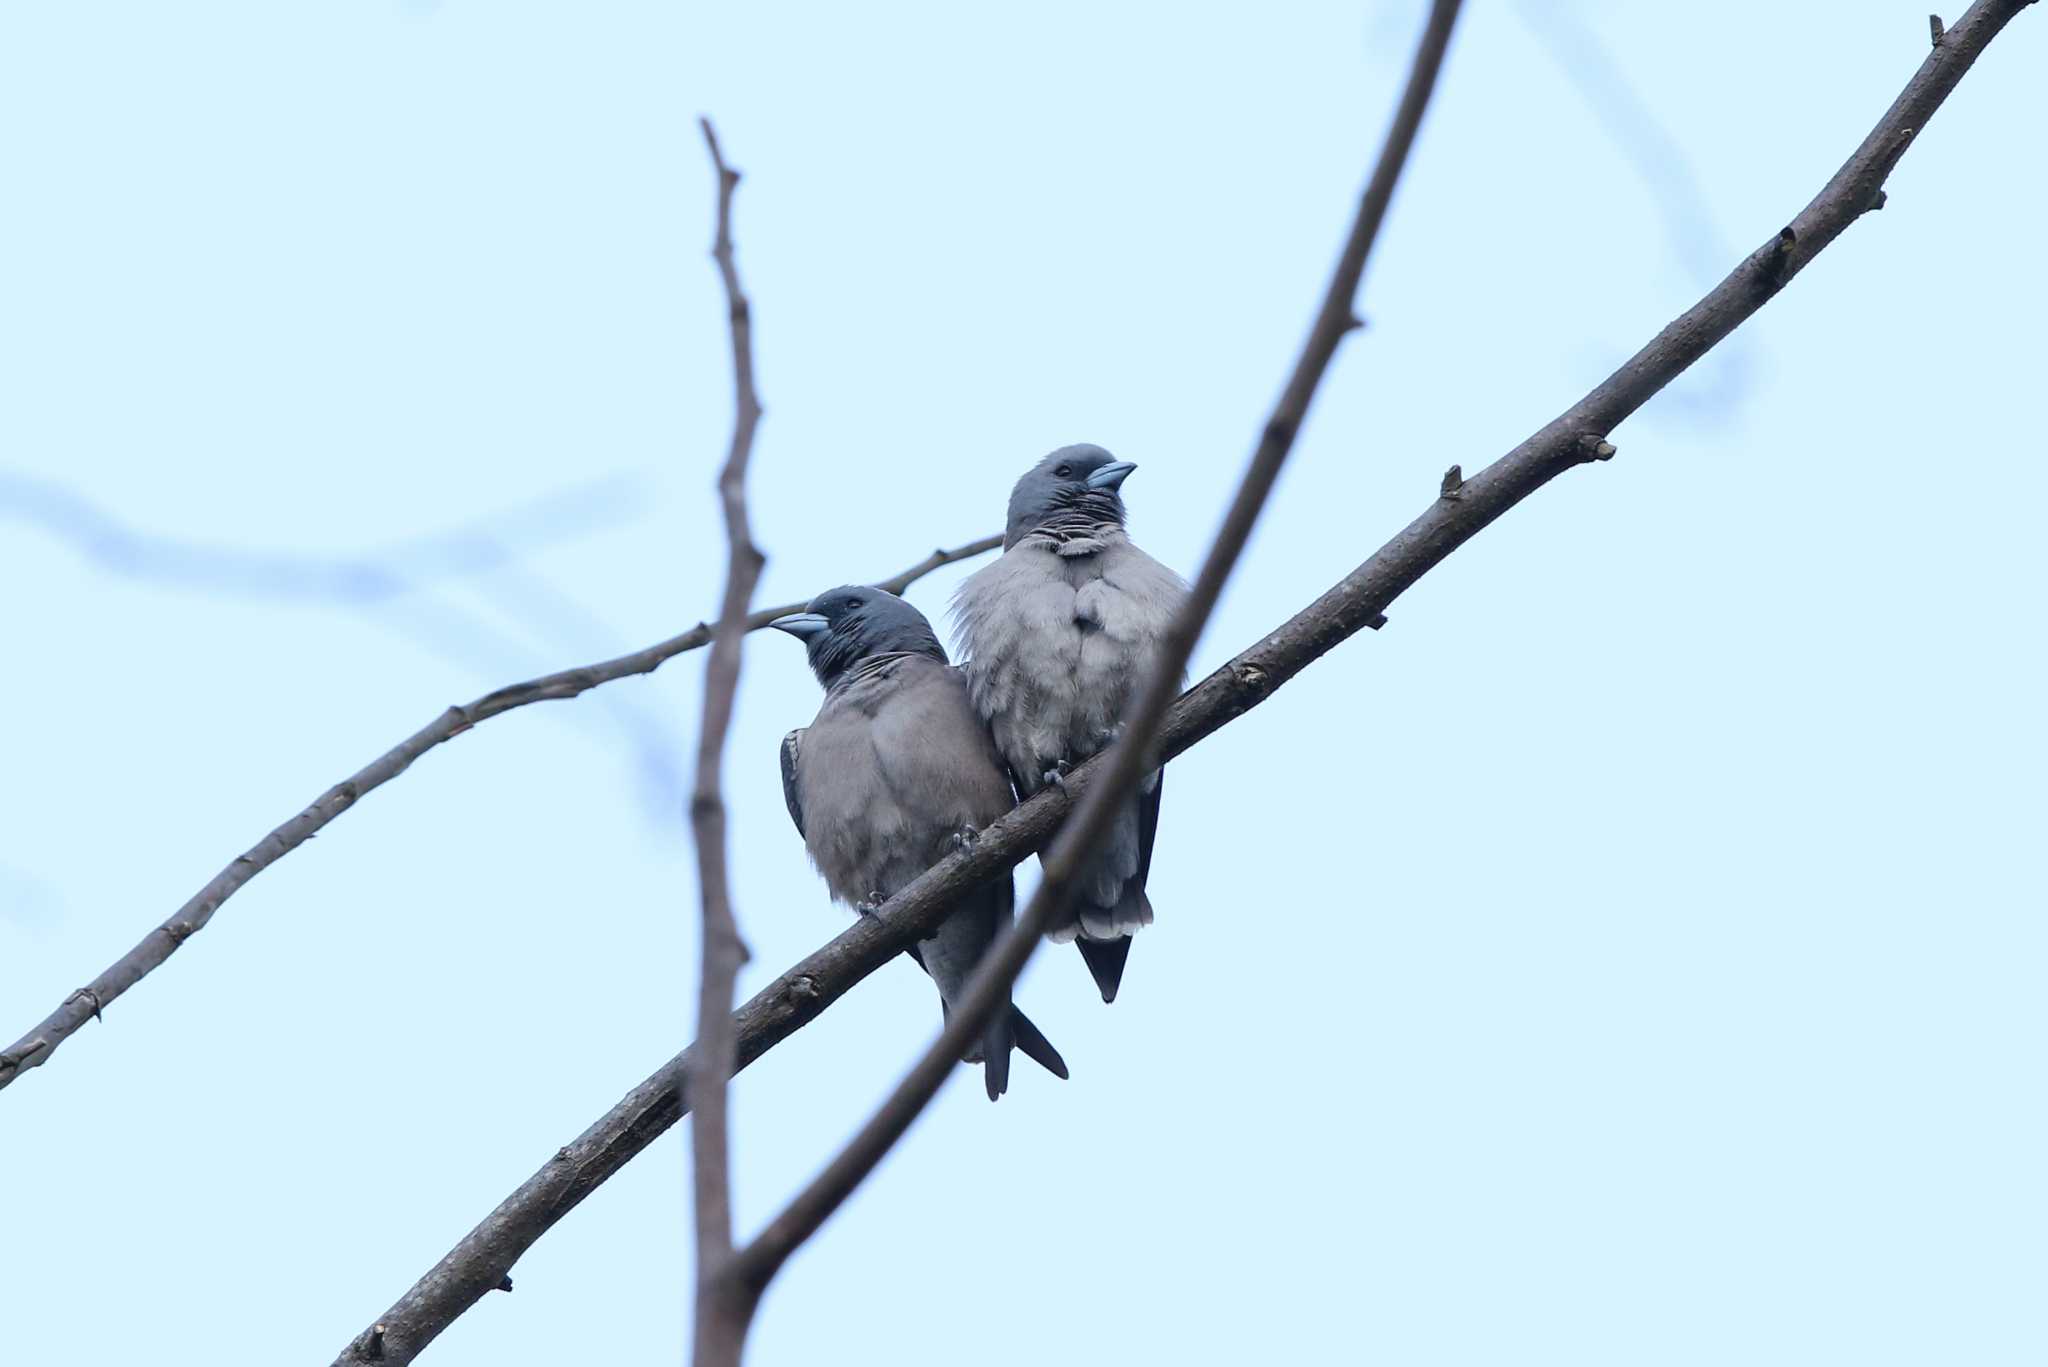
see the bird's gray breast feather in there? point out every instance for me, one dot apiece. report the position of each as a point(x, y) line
point(895, 763)
point(1057, 643)
point(1058, 637)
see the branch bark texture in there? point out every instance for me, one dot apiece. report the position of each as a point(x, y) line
point(1359, 600)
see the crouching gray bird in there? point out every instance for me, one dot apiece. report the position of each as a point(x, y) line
point(894, 775)
point(1058, 635)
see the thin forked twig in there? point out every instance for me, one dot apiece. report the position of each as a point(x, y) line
point(1358, 601)
point(717, 1337)
point(35, 1047)
point(1082, 837)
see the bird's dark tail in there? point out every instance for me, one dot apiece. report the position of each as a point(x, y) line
point(1036, 1046)
point(996, 1039)
point(1104, 934)
point(1105, 960)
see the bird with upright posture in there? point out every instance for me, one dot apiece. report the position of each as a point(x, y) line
point(1059, 634)
point(894, 775)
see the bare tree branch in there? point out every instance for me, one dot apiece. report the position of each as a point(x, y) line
point(1126, 763)
point(720, 1325)
point(487, 1253)
point(35, 1047)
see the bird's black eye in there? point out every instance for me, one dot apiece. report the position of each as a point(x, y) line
point(1063, 471)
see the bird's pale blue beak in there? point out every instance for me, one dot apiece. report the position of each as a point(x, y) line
point(1111, 475)
point(802, 625)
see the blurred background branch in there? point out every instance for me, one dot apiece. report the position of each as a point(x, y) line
point(1636, 129)
point(402, 587)
point(497, 542)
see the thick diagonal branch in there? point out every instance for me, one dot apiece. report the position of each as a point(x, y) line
point(1360, 600)
point(35, 1047)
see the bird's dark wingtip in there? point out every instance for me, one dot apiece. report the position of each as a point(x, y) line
point(1105, 960)
point(1036, 1046)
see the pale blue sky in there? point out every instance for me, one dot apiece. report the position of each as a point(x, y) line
point(1631, 954)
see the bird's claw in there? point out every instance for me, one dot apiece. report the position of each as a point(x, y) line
point(964, 838)
point(870, 904)
point(1056, 777)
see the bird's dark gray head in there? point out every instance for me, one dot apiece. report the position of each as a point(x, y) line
point(1073, 489)
point(843, 626)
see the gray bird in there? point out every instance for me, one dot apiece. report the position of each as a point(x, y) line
point(1058, 634)
point(894, 775)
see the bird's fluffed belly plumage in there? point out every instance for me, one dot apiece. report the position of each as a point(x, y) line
point(1059, 636)
point(896, 770)
point(1057, 641)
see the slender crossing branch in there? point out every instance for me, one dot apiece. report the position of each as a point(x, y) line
point(35, 1047)
point(1124, 766)
point(720, 1323)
